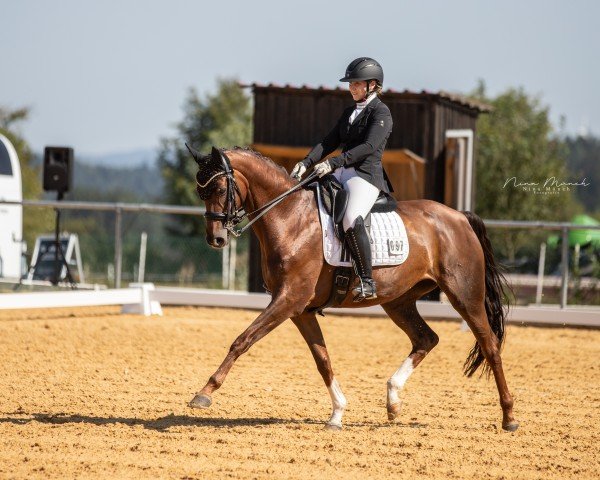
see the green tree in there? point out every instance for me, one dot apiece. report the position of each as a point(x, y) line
point(584, 164)
point(223, 120)
point(9, 120)
point(35, 220)
point(516, 146)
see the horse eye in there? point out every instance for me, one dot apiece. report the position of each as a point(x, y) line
point(221, 191)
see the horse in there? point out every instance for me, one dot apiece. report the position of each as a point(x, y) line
point(448, 249)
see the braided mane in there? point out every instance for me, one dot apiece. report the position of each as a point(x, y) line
point(264, 165)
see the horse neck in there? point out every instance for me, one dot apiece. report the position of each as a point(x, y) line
point(266, 182)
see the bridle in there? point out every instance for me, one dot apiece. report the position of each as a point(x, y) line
point(231, 215)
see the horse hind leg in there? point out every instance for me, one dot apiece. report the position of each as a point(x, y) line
point(423, 340)
point(470, 305)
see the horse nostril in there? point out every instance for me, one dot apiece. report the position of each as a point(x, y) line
point(220, 241)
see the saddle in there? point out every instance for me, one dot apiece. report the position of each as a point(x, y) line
point(335, 202)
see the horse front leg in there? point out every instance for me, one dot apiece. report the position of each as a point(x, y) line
point(311, 332)
point(279, 310)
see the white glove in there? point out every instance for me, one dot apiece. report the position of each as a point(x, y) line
point(298, 171)
point(323, 168)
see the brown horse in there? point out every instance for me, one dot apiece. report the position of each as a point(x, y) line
point(448, 248)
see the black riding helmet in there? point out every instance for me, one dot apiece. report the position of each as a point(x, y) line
point(363, 68)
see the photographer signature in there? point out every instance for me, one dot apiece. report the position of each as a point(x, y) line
point(551, 182)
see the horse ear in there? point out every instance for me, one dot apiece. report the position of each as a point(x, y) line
point(196, 154)
point(220, 158)
point(216, 155)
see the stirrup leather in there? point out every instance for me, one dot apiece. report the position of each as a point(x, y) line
point(360, 248)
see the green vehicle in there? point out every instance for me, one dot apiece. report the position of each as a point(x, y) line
point(584, 238)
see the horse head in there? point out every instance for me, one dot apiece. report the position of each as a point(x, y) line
point(216, 186)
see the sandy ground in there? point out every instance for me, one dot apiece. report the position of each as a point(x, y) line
point(89, 393)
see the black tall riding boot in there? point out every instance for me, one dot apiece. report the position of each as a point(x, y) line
point(360, 248)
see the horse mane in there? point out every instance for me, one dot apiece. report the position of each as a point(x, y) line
point(265, 164)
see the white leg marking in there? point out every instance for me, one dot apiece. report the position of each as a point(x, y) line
point(339, 403)
point(397, 381)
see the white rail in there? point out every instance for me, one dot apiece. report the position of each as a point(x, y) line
point(136, 299)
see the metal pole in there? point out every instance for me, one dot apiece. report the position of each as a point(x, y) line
point(79, 261)
point(109, 207)
point(576, 255)
point(118, 246)
point(232, 262)
point(57, 264)
point(225, 268)
point(540, 277)
point(564, 267)
point(142, 267)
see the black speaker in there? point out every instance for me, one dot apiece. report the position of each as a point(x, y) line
point(58, 169)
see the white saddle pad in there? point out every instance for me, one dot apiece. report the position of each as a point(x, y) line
point(389, 242)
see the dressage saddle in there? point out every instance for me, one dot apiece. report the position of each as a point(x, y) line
point(335, 201)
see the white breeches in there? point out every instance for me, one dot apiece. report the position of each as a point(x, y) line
point(362, 195)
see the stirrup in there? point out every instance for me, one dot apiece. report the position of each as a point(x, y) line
point(365, 290)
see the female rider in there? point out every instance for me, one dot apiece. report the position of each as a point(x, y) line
point(362, 131)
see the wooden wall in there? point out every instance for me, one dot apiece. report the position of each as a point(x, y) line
point(301, 117)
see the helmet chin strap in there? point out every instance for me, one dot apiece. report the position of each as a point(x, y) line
point(367, 93)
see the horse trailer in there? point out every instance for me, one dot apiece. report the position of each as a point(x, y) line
point(11, 216)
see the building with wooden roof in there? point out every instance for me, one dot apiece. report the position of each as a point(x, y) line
point(428, 155)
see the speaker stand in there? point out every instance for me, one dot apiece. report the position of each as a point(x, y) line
point(59, 256)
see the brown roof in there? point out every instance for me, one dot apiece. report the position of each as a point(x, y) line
point(442, 95)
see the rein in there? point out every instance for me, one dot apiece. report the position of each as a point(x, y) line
point(265, 208)
point(231, 216)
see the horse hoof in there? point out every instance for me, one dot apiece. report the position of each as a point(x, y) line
point(511, 426)
point(333, 427)
point(200, 401)
point(394, 410)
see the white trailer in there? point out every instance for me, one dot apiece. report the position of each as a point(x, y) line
point(11, 216)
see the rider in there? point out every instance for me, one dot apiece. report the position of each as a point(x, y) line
point(362, 131)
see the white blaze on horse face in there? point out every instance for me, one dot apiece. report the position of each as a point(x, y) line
point(398, 380)
point(339, 403)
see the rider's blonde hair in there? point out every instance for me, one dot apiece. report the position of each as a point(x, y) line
point(378, 87)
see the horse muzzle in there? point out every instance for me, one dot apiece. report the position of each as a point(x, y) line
point(217, 241)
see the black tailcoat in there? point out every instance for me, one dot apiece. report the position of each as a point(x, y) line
point(362, 143)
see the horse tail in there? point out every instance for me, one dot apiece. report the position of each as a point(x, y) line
point(496, 303)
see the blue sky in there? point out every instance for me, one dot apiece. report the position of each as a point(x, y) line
point(109, 76)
